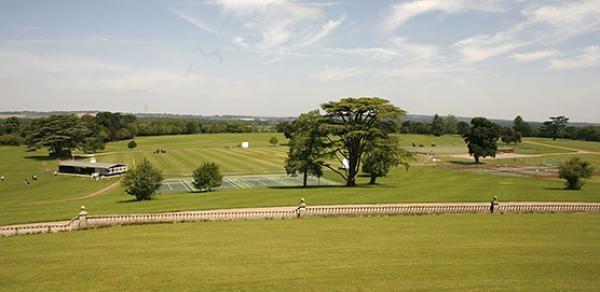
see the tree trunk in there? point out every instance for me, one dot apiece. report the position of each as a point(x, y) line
point(353, 156)
point(373, 178)
point(476, 159)
point(305, 178)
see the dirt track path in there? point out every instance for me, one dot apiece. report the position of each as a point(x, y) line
point(81, 197)
point(578, 151)
point(516, 155)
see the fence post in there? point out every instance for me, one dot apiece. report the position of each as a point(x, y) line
point(301, 208)
point(83, 218)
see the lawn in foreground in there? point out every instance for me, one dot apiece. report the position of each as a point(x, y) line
point(419, 184)
point(467, 252)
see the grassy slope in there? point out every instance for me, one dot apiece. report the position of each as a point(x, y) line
point(420, 184)
point(51, 197)
point(583, 145)
point(474, 252)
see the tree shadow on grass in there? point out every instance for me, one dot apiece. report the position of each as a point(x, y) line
point(465, 163)
point(307, 187)
point(41, 157)
point(558, 189)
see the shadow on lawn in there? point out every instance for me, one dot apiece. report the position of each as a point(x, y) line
point(41, 157)
point(307, 187)
point(466, 163)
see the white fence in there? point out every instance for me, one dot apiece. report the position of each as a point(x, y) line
point(84, 220)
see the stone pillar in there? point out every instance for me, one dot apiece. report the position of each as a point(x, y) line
point(83, 218)
point(301, 209)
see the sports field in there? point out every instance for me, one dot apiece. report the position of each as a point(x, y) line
point(59, 197)
point(181, 185)
point(469, 252)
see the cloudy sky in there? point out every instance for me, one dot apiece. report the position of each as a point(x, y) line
point(282, 57)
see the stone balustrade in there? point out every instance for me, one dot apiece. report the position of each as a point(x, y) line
point(83, 220)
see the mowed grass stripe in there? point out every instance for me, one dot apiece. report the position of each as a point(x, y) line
point(231, 164)
point(265, 158)
point(279, 151)
point(189, 159)
point(241, 162)
point(268, 165)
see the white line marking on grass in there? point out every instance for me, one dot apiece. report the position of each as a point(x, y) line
point(182, 182)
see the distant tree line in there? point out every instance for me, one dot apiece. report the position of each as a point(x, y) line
point(62, 133)
point(555, 128)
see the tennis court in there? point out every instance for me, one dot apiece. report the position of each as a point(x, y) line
point(182, 185)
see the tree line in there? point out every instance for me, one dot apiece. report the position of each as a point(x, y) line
point(62, 133)
point(556, 128)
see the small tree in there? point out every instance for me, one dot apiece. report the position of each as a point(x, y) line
point(522, 127)
point(274, 141)
point(438, 127)
point(481, 138)
point(555, 126)
point(142, 181)
point(382, 155)
point(510, 136)
point(132, 144)
point(573, 171)
point(307, 147)
point(207, 176)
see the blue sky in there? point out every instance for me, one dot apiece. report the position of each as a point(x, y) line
point(283, 57)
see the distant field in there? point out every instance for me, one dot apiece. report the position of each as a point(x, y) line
point(583, 145)
point(197, 141)
point(552, 160)
point(529, 148)
point(60, 197)
point(469, 252)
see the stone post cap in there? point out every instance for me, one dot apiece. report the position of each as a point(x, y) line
point(83, 212)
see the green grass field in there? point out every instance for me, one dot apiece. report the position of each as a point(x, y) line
point(583, 145)
point(469, 252)
point(57, 198)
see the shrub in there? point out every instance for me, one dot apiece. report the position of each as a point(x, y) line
point(131, 144)
point(274, 141)
point(142, 181)
point(573, 171)
point(11, 140)
point(207, 176)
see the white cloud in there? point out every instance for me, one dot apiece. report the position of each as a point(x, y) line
point(589, 57)
point(326, 29)
point(245, 5)
point(282, 25)
point(338, 73)
point(195, 22)
point(482, 47)
point(535, 56)
point(402, 12)
point(543, 24)
point(397, 49)
point(240, 42)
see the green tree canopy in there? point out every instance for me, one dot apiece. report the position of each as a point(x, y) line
point(383, 154)
point(132, 144)
point(573, 171)
point(522, 127)
point(482, 137)
point(59, 133)
point(207, 176)
point(274, 141)
point(307, 146)
point(351, 123)
point(451, 125)
point(438, 127)
point(142, 181)
point(12, 125)
point(555, 126)
point(509, 135)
